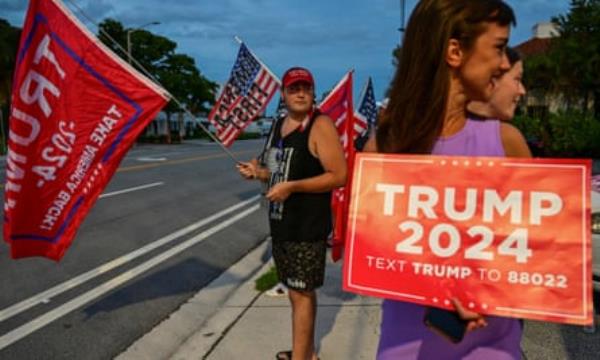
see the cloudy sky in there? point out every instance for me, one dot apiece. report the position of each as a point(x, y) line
point(327, 36)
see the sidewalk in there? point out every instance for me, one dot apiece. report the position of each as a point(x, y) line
point(229, 319)
point(347, 326)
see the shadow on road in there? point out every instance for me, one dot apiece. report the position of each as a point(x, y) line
point(186, 277)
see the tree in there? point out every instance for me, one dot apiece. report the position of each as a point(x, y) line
point(396, 56)
point(571, 65)
point(9, 45)
point(569, 68)
point(176, 72)
point(397, 53)
point(577, 51)
point(148, 49)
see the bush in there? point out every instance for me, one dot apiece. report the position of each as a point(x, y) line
point(563, 134)
point(152, 139)
point(267, 280)
point(249, 135)
point(198, 133)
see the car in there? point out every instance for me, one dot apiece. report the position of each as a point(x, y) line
point(596, 231)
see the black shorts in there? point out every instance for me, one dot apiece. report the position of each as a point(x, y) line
point(300, 265)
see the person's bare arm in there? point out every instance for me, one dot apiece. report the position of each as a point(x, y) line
point(325, 144)
point(252, 170)
point(513, 141)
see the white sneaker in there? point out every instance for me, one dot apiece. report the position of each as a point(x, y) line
point(278, 290)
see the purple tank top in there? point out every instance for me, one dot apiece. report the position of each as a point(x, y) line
point(403, 334)
point(477, 138)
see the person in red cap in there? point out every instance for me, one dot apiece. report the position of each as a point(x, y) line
point(304, 162)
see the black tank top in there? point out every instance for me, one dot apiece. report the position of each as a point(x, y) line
point(302, 217)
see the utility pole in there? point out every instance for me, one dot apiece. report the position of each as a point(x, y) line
point(129, 37)
point(402, 15)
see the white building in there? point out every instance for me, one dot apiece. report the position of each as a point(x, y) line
point(544, 30)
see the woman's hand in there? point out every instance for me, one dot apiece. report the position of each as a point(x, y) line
point(473, 319)
point(248, 170)
point(279, 192)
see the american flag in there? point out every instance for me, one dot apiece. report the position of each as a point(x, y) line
point(366, 114)
point(246, 94)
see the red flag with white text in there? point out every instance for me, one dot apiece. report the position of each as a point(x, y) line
point(246, 94)
point(76, 109)
point(338, 106)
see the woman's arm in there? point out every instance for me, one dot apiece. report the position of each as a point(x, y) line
point(513, 141)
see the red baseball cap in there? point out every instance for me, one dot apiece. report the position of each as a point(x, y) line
point(296, 74)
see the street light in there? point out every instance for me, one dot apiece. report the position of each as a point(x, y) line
point(134, 30)
point(402, 11)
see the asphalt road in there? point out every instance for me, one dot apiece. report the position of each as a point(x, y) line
point(171, 220)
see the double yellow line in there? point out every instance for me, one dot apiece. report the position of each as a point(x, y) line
point(182, 161)
point(175, 162)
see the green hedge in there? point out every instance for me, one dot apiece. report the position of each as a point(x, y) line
point(153, 139)
point(249, 135)
point(563, 134)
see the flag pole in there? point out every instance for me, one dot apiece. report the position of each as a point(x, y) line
point(363, 91)
point(153, 78)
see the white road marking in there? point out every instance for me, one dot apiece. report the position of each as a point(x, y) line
point(47, 295)
point(41, 321)
point(151, 159)
point(124, 191)
point(143, 152)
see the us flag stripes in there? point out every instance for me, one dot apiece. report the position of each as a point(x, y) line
point(366, 114)
point(246, 94)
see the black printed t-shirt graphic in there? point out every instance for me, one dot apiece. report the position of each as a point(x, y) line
point(302, 217)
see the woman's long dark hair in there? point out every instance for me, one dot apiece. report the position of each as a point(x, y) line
point(415, 115)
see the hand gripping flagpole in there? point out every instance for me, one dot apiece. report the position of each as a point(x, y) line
point(149, 75)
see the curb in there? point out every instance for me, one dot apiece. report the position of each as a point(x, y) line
point(197, 326)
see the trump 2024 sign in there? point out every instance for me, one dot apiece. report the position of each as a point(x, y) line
point(508, 237)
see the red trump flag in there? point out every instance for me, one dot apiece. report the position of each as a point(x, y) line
point(76, 110)
point(508, 237)
point(338, 106)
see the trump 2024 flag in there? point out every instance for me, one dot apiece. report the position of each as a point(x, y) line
point(76, 110)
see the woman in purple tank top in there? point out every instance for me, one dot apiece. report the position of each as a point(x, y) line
point(453, 52)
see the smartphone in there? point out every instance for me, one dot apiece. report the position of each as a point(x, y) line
point(446, 323)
